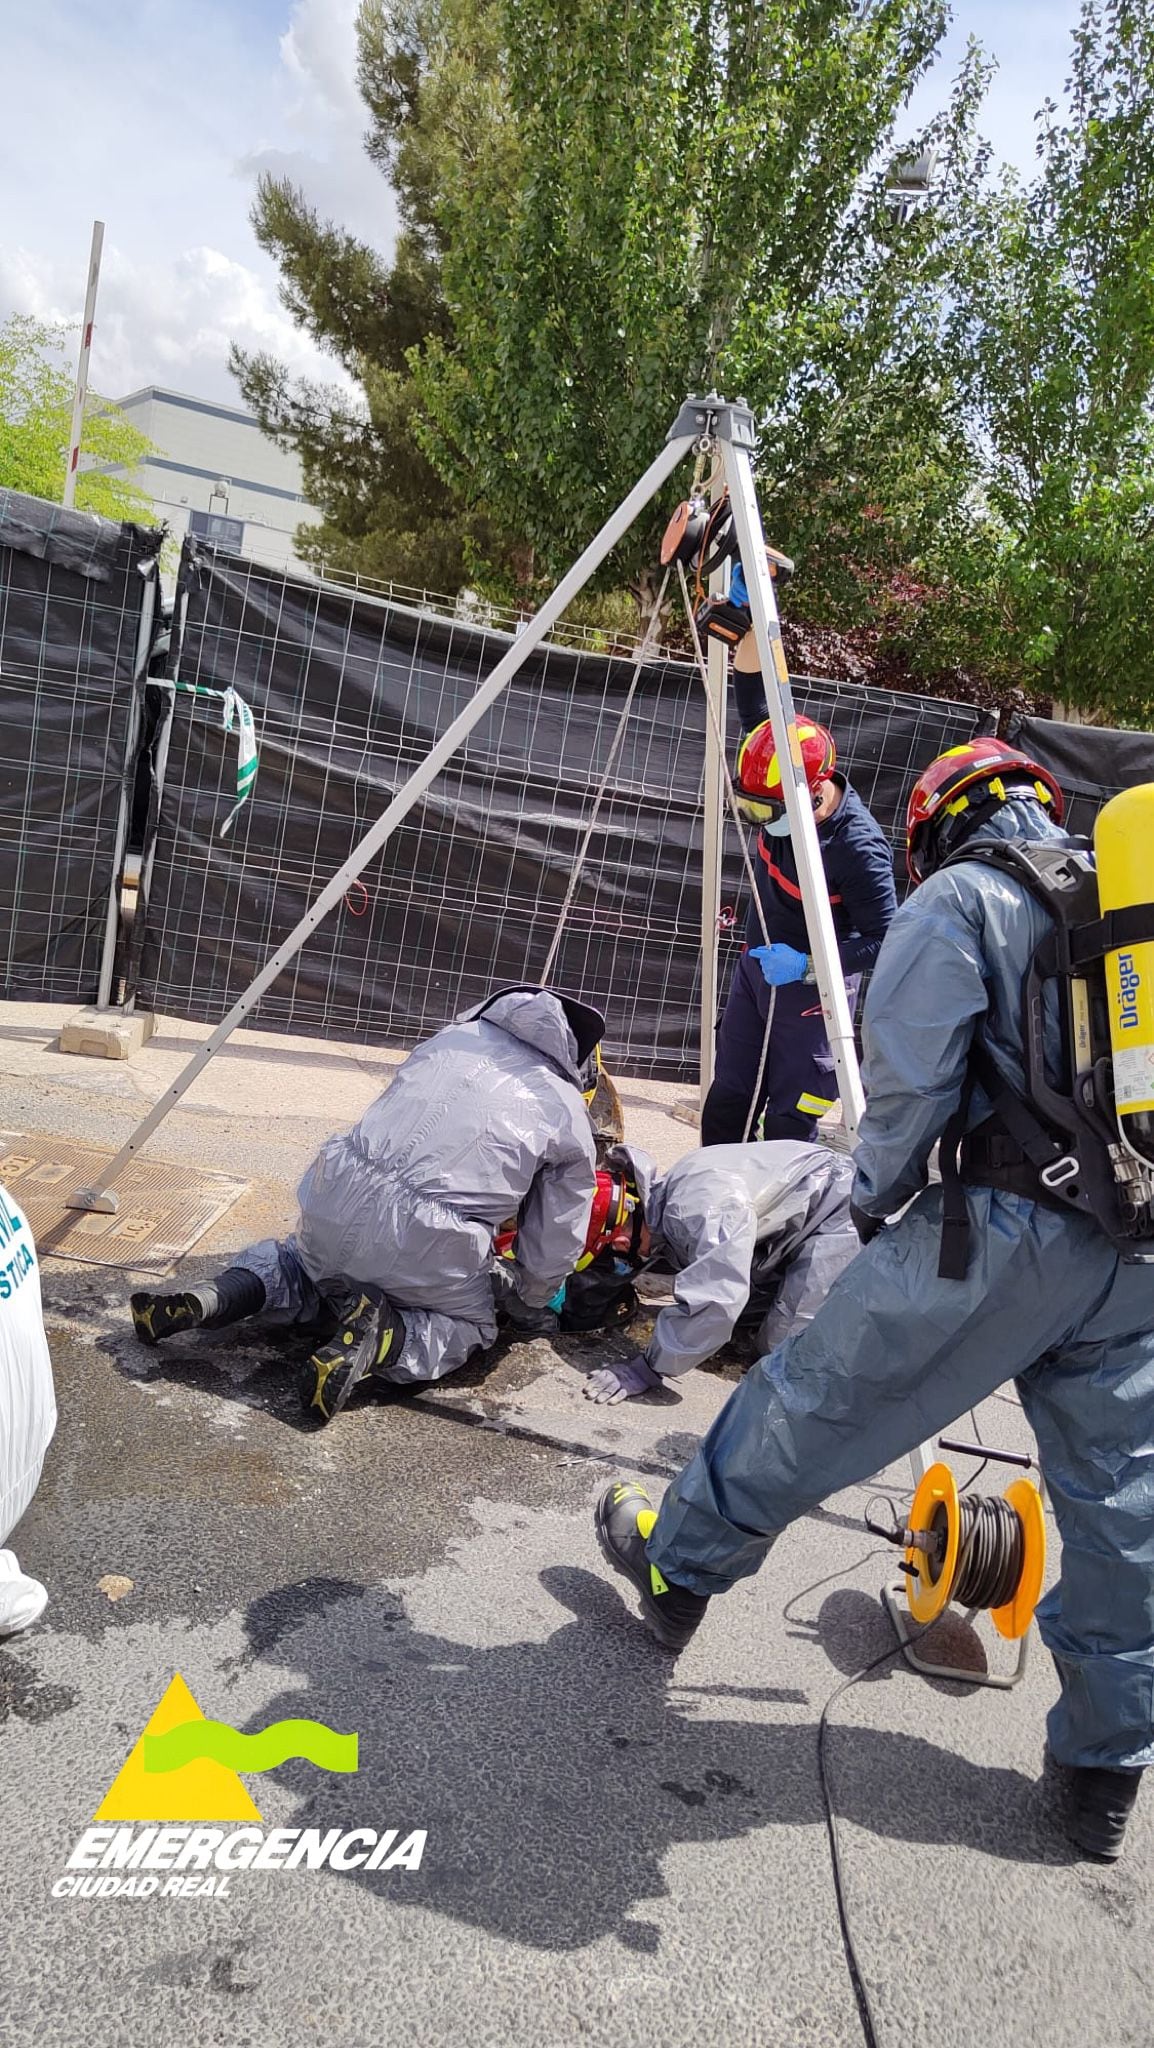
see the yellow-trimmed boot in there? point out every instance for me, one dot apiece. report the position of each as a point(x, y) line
point(368, 1333)
point(625, 1519)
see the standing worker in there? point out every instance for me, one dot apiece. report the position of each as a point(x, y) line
point(773, 1056)
point(990, 1276)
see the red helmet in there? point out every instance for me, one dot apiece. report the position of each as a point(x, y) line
point(615, 1219)
point(758, 779)
point(950, 797)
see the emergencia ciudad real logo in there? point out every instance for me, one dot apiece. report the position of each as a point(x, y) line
point(177, 1822)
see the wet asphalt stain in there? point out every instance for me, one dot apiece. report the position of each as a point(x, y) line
point(24, 1694)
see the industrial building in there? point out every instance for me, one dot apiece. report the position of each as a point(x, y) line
point(216, 475)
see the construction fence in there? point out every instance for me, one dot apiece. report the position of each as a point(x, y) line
point(347, 693)
point(77, 602)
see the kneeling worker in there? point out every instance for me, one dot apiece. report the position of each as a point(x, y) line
point(988, 1277)
point(743, 1227)
point(486, 1119)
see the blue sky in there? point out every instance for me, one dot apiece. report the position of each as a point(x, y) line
point(157, 116)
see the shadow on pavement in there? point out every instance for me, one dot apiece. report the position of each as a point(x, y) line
point(554, 1776)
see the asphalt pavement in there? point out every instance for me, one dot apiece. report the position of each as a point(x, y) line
point(619, 1848)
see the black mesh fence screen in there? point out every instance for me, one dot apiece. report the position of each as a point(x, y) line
point(1092, 763)
point(71, 598)
point(348, 694)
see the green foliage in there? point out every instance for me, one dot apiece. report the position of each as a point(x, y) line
point(603, 209)
point(429, 74)
point(1058, 328)
point(694, 200)
point(36, 387)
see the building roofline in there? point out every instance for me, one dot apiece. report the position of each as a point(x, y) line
point(182, 399)
point(240, 483)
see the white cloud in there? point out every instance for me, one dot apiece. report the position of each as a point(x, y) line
point(158, 118)
point(170, 325)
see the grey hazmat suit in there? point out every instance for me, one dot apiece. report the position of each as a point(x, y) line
point(738, 1224)
point(484, 1121)
point(896, 1354)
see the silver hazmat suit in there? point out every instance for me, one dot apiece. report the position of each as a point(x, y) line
point(483, 1122)
point(738, 1223)
point(896, 1354)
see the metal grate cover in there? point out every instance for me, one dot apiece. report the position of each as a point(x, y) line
point(163, 1209)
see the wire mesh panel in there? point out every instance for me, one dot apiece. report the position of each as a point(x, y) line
point(1092, 763)
point(71, 597)
point(348, 693)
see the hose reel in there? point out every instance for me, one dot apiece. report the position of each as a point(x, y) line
point(984, 1553)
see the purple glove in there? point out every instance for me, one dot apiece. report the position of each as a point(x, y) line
point(780, 964)
point(613, 1383)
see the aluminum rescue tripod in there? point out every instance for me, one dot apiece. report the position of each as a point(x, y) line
point(726, 430)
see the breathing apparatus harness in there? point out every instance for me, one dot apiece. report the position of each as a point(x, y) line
point(1059, 1142)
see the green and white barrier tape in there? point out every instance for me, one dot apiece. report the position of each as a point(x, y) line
point(237, 717)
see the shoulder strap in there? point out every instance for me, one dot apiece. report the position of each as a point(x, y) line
point(1084, 938)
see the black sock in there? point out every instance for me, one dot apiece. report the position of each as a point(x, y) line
point(233, 1295)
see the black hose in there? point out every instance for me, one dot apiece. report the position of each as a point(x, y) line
point(990, 1553)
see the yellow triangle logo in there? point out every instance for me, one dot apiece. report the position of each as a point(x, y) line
point(197, 1791)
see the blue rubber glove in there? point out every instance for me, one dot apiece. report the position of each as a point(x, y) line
point(738, 594)
point(780, 964)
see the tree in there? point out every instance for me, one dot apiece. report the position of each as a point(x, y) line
point(697, 197)
point(1058, 325)
point(36, 389)
point(429, 74)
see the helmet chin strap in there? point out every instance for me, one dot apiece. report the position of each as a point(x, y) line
point(952, 832)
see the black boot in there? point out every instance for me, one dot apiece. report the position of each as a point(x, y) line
point(1100, 1804)
point(625, 1518)
point(156, 1316)
point(369, 1332)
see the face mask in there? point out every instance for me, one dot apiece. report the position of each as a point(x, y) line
point(778, 828)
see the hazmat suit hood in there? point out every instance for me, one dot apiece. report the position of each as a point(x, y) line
point(641, 1168)
point(562, 1027)
point(1021, 817)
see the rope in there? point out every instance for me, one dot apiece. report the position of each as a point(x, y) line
point(644, 653)
point(742, 835)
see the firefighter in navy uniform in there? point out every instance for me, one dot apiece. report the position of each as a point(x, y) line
point(787, 1071)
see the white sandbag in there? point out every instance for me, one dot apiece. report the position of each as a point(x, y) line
point(27, 1395)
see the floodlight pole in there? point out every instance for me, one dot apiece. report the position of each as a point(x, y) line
point(80, 388)
point(733, 428)
point(98, 1196)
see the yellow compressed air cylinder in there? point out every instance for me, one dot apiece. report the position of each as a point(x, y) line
point(1124, 854)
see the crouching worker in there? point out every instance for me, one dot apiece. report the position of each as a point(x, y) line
point(988, 1277)
point(27, 1407)
point(397, 1217)
point(745, 1229)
